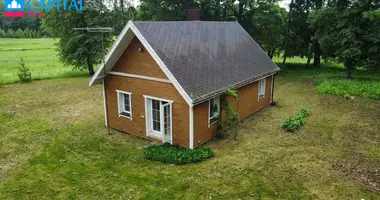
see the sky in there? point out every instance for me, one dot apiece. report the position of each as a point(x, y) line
point(285, 4)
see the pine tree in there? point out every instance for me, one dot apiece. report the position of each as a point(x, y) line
point(10, 33)
point(27, 33)
point(2, 33)
point(19, 33)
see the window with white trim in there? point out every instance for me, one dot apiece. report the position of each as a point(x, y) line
point(214, 110)
point(124, 103)
point(261, 88)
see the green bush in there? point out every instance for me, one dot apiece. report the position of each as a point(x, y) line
point(167, 153)
point(10, 33)
point(294, 123)
point(2, 33)
point(19, 33)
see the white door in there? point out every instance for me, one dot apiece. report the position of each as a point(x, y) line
point(158, 119)
point(166, 122)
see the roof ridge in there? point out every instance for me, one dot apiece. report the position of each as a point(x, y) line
point(185, 21)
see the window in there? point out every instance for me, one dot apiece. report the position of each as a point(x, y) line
point(156, 123)
point(124, 102)
point(214, 110)
point(261, 88)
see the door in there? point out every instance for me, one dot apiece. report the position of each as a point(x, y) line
point(166, 122)
point(158, 118)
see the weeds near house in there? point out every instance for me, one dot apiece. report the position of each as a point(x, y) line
point(167, 153)
point(294, 123)
point(24, 73)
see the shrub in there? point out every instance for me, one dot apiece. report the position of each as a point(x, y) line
point(2, 33)
point(10, 33)
point(294, 123)
point(24, 73)
point(167, 153)
point(19, 33)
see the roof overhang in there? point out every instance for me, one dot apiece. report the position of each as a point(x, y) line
point(118, 48)
point(235, 86)
point(113, 55)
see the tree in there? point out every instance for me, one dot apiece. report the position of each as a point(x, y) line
point(169, 10)
point(347, 30)
point(269, 21)
point(81, 49)
point(2, 33)
point(298, 41)
point(27, 33)
point(10, 33)
point(19, 33)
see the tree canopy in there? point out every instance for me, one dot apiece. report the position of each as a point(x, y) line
point(347, 30)
point(80, 48)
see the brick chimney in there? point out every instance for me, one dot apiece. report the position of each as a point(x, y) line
point(193, 15)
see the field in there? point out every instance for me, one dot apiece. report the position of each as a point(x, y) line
point(39, 56)
point(54, 145)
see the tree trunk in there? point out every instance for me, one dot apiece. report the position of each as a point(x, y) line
point(225, 11)
point(309, 55)
point(269, 53)
point(272, 53)
point(122, 5)
point(90, 67)
point(284, 60)
point(308, 60)
point(348, 72)
point(317, 53)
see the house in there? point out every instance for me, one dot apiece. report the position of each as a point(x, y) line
point(162, 80)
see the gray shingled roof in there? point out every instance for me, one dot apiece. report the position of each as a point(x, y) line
point(206, 58)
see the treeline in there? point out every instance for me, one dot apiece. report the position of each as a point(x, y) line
point(343, 30)
point(346, 30)
point(19, 33)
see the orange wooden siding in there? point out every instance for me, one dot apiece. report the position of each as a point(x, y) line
point(248, 98)
point(248, 103)
point(133, 61)
point(141, 63)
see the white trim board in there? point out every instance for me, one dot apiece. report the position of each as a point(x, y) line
point(271, 90)
point(139, 76)
point(105, 104)
point(191, 127)
point(118, 48)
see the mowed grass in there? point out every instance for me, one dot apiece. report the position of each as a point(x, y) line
point(39, 55)
point(53, 145)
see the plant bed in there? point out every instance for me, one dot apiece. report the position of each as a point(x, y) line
point(167, 153)
point(294, 123)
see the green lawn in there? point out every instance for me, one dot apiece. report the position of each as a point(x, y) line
point(39, 56)
point(54, 145)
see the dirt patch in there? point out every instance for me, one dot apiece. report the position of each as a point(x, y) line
point(307, 81)
point(360, 170)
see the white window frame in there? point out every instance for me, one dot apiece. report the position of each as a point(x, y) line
point(217, 100)
point(121, 103)
point(261, 88)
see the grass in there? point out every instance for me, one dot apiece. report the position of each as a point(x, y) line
point(54, 145)
point(330, 79)
point(39, 55)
